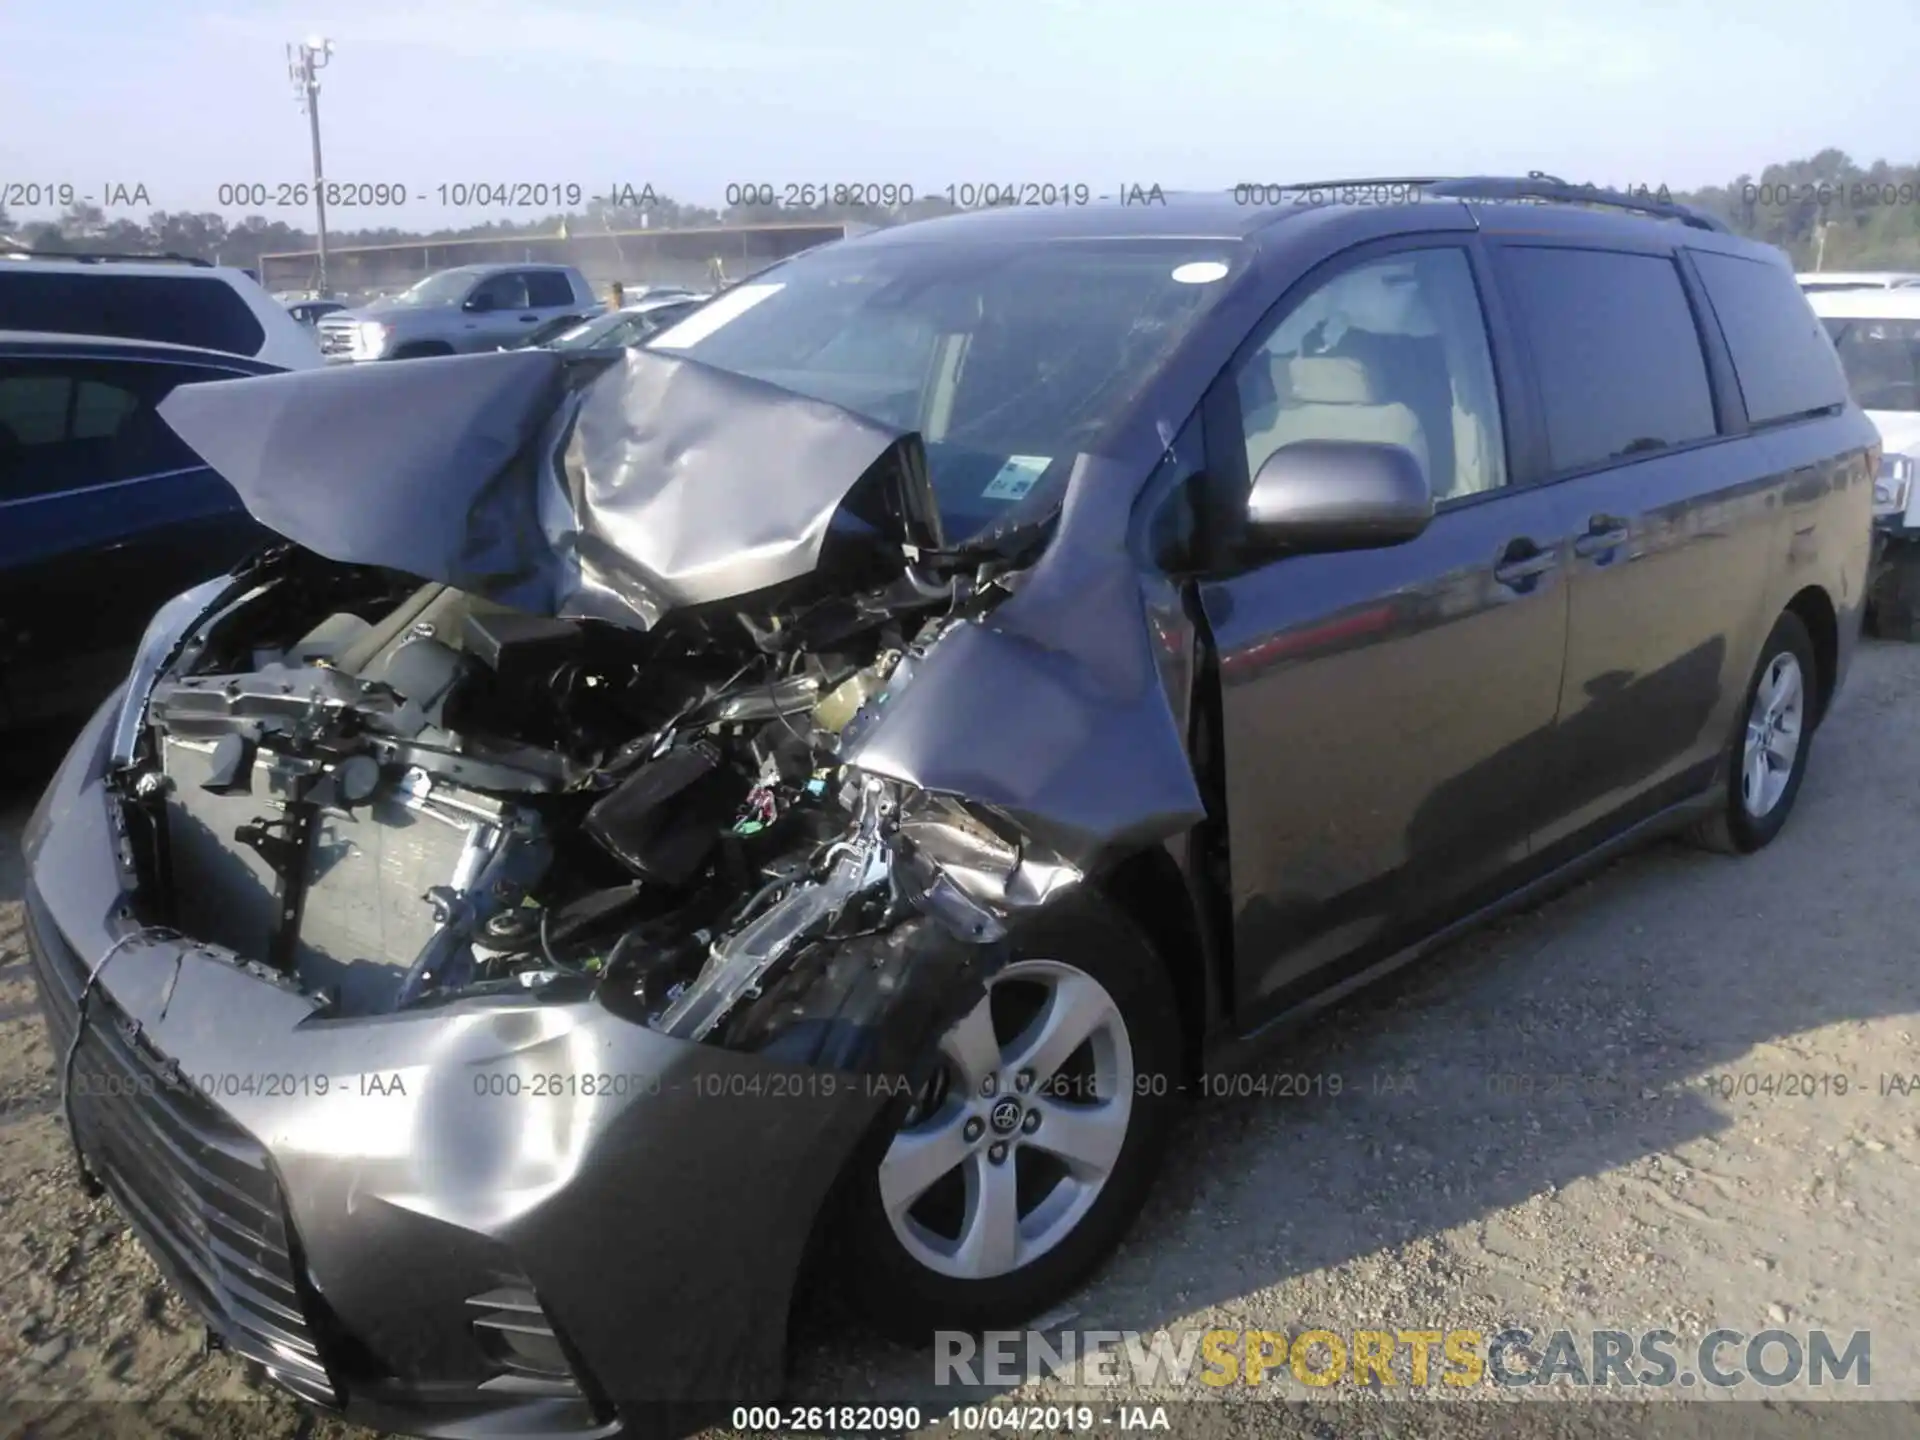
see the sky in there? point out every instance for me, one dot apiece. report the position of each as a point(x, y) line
point(691, 96)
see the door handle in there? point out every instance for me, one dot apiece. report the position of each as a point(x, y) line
point(528, 319)
point(1604, 533)
point(1521, 562)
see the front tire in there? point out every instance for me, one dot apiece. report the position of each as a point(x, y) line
point(1031, 1152)
point(1769, 753)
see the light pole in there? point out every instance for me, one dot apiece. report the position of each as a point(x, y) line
point(303, 61)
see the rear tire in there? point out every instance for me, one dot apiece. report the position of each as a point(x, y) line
point(1767, 758)
point(921, 1251)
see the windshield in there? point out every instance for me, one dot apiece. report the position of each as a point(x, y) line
point(592, 332)
point(449, 287)
point(1008, 359)
point(1882, 361)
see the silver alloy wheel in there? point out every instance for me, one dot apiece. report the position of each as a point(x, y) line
point(1006, 1097)
point(1773, 735)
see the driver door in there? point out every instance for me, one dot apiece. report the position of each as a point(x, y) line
point(507, 315)
point(1385, 712)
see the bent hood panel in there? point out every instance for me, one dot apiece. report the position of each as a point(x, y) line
point(686, 484)
point(679, 484)
point(408, 465)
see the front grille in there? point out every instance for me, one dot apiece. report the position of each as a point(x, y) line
point(336, 338)
point(197, 1188)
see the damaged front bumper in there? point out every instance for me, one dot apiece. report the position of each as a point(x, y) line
point(500, 1214)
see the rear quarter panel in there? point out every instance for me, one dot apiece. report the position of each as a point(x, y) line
point(1825, 471)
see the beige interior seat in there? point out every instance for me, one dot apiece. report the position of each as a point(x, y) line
point(1327, 397)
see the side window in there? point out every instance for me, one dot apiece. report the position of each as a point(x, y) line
point(1394, 351)
point(508, 290)
point(547, 289)
point(1782, 358)
point(185, 309)
point(1616, 349)
point(69, 424)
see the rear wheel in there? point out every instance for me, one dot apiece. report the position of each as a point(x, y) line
point(1021, 1165)
point(1768, 759)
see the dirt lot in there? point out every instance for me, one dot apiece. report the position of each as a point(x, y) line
point(1529, 1129)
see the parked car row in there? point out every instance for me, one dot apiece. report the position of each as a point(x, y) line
point(893, 731)
point(632, 324)
point(458, 311)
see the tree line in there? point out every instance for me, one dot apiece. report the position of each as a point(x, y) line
point(1825, 209)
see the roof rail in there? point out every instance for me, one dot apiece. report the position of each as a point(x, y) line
point(1540, 186)
point(1537, 185)
point(94, 257)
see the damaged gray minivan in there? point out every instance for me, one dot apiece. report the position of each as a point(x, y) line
point(813, 792)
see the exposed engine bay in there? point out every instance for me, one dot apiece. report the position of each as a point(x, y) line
point(391, 795)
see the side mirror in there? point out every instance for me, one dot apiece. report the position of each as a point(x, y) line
point(478, 304)
point(1338, 495)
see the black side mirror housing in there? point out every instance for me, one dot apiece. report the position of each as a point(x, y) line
point(1337, 495)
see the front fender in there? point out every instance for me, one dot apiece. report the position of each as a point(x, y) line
point(1064, 708)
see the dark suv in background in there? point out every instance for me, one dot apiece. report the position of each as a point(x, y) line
point(105, 514)
point(843, 767)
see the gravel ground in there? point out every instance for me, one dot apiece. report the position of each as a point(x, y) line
point(1529, 1129)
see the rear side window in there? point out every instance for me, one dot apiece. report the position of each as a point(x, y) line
point(1784, 362)
point(547, 288)
point(1618, 356)
point(187, 309)
point(73, 424)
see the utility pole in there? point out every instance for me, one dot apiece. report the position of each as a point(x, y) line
point(303, 62)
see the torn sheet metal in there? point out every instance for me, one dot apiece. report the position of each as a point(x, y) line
point(1053, 710)
point(664, 483)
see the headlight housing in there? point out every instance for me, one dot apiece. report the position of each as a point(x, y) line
point(370, 339)
point(1894, 485)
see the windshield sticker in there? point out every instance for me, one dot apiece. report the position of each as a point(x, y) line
point(1016, 477)
point(1199, 272)
point(720, 310)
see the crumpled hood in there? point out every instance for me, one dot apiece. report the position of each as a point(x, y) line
point(661, 483)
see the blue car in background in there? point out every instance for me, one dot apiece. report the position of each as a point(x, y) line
point(105, 513)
